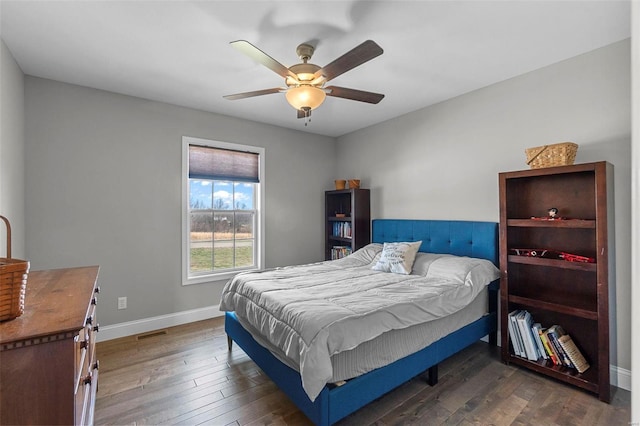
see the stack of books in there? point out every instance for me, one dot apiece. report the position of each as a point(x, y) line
point(338, 252)
point(342, 229)
point(533, 342)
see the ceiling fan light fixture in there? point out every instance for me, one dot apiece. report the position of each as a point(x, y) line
point(305, 96)
point(305, 73)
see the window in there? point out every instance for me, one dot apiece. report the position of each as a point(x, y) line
point(222, 211)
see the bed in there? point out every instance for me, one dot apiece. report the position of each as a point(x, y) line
point(332, 402)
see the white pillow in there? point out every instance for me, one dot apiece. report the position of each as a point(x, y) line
point(469, 271)
point(423, 262)
point(397, 257)
point(369, 252)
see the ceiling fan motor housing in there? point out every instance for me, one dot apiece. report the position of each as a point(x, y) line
point(305, 51)
point(304, 72)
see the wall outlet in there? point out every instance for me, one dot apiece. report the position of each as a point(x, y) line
point(122, 303)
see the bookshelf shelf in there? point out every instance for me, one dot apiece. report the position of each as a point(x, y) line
point(573, 295)
point(553, 263)
point(341, 239)
point(586, 380)
point(570, 223)
point(554, 307)
point(352, 231)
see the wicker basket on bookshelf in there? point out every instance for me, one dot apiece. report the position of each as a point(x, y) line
point(13, 282)
point(559, 154)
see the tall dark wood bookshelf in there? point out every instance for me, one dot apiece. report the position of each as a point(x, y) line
point(573, 295)
point(347, 209)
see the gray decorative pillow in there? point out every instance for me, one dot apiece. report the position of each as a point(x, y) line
point(397, 257)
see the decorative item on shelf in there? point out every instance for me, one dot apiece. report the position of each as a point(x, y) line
point(551, 254)
point(354, 183)
point(552, 214)
point(13, 282)
point(340, 213)
point(340, 183)
point(559, 154)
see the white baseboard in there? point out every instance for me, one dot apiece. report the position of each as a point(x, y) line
point(156, 323)
point(620, 377)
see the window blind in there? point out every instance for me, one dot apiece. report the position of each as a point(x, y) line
point(223, 164)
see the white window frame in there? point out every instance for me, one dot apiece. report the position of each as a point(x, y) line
point(259, 208)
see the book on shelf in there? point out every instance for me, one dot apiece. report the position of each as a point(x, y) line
point(555, 347)
point(574, 354)
point(554, 333)
point(525, 322)
point(536, 329)
point(516, 340)
point(549, 348)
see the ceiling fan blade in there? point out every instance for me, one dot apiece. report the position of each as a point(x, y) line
point(254, 93)
point(259, 56)
point(354, 95)
point(353, 58)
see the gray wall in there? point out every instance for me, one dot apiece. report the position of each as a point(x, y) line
point(11, 152)
point(443, 161)
point(103, 187)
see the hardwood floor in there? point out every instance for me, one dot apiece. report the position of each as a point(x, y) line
point(186, 375)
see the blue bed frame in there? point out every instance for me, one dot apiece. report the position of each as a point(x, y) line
point(462, 238)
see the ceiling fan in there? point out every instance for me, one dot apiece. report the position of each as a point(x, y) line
point(305, 82)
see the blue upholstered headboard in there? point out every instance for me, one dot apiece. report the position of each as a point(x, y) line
point(462, 238)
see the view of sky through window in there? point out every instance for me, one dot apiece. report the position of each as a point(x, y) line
point(221, 195)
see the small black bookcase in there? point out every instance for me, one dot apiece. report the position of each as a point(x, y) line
point(347, 221)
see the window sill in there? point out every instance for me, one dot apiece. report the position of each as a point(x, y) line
point(209, 278)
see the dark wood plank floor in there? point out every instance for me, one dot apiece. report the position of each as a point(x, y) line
point(186, 375)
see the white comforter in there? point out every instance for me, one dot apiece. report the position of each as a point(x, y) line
point(314, 311)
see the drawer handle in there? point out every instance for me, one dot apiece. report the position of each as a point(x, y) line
point(96, 365)
point(87, 379)
point(96, 328)
point(97, 290)
point(86, 342)
point(89, 320)
point(94, 300)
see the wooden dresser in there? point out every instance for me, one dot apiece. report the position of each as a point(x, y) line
point(48, 368)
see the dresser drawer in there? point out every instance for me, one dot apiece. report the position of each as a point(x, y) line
point(86, 397)
point(81, 356)
point(91, 327)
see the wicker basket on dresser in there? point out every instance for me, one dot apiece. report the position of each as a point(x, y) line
point(48, 365)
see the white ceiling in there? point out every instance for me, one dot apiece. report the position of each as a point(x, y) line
point(178, 51)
